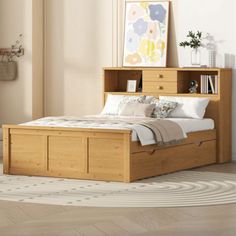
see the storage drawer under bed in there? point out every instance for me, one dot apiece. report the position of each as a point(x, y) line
point(148, 162)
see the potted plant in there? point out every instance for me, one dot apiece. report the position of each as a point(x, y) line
point(195, 42)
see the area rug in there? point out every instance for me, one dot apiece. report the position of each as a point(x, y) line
point(185, 188)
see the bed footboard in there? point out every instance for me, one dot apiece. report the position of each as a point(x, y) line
point(66, 152)
point(98, 154)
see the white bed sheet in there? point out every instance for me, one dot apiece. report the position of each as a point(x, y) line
point(188, 125)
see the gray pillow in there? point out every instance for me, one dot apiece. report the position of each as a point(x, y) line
point(137, 109)
point(162, 108)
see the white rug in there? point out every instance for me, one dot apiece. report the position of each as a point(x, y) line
point(186, 188)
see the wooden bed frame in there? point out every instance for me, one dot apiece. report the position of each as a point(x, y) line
point(102, 154)
point(99, 154)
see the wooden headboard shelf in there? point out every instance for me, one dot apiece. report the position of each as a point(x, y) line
point(175, 82)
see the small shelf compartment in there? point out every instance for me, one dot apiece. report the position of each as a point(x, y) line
point(185, 77)
point(116, 80)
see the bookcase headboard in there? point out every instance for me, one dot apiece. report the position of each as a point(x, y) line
point(175, 82)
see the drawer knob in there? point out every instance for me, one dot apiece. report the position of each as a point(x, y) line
point(160, 87)
point(159, 76)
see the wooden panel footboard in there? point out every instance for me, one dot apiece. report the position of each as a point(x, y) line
point(98, 154)
point(65, 152)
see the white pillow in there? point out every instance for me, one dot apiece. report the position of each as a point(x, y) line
point(114, 103)
point(188, 107)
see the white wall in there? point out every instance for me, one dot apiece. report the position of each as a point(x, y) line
point(216, 17)
point(22, 99)
point(78, 44)
point(16, 96)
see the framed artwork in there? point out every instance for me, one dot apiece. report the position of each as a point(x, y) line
point(131, 86)
point(146, 34)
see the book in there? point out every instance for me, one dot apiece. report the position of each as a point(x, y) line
point(207, 87)
point(201, 84)
point(204, 84)
point(211, 84)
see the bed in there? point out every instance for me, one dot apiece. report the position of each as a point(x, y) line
point(41, 148)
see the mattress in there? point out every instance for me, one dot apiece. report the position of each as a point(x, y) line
point(188, 125)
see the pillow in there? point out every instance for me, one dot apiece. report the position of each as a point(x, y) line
point(137, 109)
point(162, 108)
point(188, 107)
point(114, 103)
point(149, 99)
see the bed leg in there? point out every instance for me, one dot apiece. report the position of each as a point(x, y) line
point(6, 150)
point(127, 174)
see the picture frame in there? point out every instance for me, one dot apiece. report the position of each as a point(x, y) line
point(146, 34)
point(131, 86)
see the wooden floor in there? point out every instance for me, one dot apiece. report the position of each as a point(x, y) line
point(45, 220)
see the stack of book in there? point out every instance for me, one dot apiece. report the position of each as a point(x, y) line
point(209, 84)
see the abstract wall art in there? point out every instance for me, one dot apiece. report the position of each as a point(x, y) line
point(146, 34)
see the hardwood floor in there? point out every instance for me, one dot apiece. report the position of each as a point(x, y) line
point(22, 219)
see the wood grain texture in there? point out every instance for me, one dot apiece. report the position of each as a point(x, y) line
point(225, 117)
point(101, 156)
point(27, 153)
point(105, 156)
point(66, 154)
point(127, 158)
point(160, 75)
point(81, 154)
point(6, 150)
point(173, 158)
point(160, 87)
